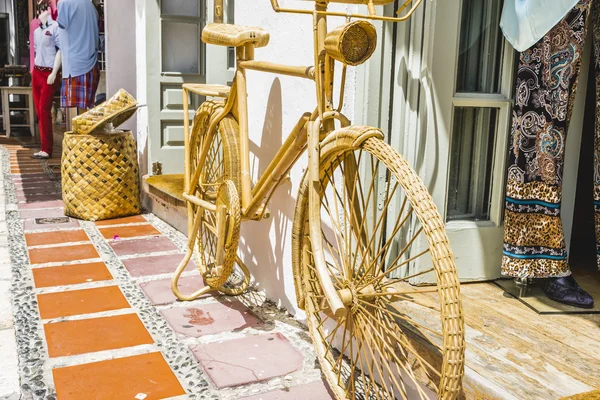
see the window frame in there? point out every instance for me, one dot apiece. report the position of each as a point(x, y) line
point(503, 102)
point(200, 21)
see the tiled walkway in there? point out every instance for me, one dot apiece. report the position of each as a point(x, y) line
point(95, 317)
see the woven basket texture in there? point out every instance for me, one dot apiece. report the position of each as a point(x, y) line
point(234, 35)
point(117, 110)
point(100, 176)
point(352, 43)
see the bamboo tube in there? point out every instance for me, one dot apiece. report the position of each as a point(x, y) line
point(242, 101)
point(333, 298)
point(371, 8)
point(275, 5)
point(285, 157)
point(200, 203)
point(206, 90)
point(264, 66)
point(187, 167)
point(221, 234)
point(193, 234)
point(249, 51)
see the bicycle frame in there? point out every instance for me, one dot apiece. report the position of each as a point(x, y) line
point(307, 134)
point(254, 200)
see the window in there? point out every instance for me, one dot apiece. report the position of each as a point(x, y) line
point(481, 114)
point(181, 28)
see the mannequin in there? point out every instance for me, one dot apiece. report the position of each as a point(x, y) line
point(35, 23)
point(47, 65)
point(552, 47)
point(78, 22)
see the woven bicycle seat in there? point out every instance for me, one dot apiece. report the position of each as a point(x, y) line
point(117, 110)
point(234, 35)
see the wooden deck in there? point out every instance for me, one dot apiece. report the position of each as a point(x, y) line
point(515, 353)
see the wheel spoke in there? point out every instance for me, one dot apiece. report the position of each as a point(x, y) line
point(394, 268)
point(399, 385)
point(374, 262)
point(402, 345)
point(427, 367)
point(366, 203)
point(345, 213)
point(380, 351)
point(403, 317)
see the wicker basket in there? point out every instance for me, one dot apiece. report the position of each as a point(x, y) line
point(117, 110)
point(100, 176)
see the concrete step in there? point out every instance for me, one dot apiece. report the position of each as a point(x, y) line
point(162, 196)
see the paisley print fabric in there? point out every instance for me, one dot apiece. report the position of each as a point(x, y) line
point(534, 244)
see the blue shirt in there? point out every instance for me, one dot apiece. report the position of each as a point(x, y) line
point(525, 22)
point(78, 36)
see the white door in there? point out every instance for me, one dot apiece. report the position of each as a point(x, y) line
point(175, 54)
point(451, 117)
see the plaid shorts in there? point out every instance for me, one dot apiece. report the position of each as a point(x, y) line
point(80, 91)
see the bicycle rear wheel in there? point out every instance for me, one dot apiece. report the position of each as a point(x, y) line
point(218, 184)
point(380, 230)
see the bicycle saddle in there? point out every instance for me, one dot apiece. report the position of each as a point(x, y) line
point(234, 35)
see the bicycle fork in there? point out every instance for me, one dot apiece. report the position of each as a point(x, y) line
point(314, 220)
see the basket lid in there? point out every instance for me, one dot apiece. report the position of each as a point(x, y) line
point(116, 110)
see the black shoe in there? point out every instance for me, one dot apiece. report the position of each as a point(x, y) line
point(567, 291)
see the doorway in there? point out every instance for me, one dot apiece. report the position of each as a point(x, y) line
point(583, 240)
point(4, 39)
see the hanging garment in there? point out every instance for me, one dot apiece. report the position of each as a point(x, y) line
point(524, 22)
point(534, 244)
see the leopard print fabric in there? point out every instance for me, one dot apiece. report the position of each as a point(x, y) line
point(534, 244)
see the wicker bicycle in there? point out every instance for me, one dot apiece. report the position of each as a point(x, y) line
point(365, 226)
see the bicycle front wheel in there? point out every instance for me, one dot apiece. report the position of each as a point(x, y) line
point(380, 232)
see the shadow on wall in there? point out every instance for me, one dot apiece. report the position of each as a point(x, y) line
point(265, 246)
point(425, 105)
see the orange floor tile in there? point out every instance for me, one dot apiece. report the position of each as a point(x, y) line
point(121, 378)
point(126, 220)
point(96, 334)
point(84, 301)
point(70, 274)
point(63, 254)
point(56, 237)
point(24, 170)
point(129, 231)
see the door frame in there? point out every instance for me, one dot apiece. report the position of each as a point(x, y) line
point(416, 111)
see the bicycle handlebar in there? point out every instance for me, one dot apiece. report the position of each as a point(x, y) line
point(410, 4)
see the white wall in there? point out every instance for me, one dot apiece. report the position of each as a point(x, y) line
point(275, 104)
point(120, 23)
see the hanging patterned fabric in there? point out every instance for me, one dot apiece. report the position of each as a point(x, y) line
point(534, 244)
